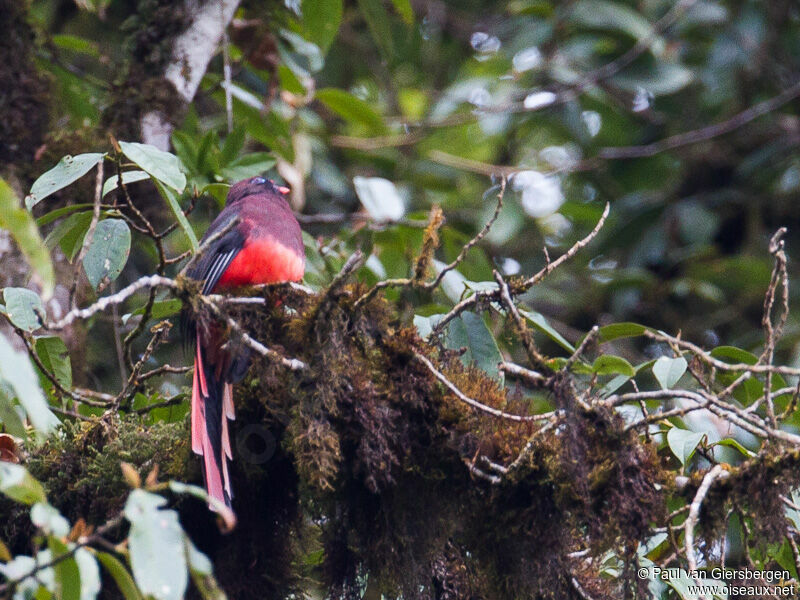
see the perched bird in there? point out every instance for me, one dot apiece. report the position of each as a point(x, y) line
point(265, 246)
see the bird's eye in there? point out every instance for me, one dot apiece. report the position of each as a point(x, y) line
point(258, 180)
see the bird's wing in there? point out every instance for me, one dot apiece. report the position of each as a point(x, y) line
point(218, 256)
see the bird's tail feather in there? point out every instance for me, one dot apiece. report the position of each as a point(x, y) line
point(212, 406)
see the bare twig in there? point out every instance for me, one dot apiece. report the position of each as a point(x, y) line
point(522, 328)
point(474, 403)
point(706, 133)
point(716, 472)
point(102, 304)
point(482, 296)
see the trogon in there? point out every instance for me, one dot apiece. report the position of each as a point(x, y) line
point(264, 246)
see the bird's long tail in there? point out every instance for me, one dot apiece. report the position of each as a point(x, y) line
point(212, 406)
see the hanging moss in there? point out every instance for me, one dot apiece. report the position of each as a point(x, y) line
point(356, 470)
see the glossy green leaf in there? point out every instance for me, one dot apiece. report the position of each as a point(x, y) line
point(616, 331)
point(68, 170)
point(350, 108)
point(121, 576)
point(16, 371)
point(70, 233)
point(669, 370)
point(54, 355)
point(127, 177)
point(24, 308)
point(321, 19)
point(163, 166)
point(108, 251)
point(733, 355)
point(683, 442)
point(380, 198)
point(156, 544)
point(732, 443)
point(22, 227)
point(612, 365)
point(64, 211)
point(172, 200)
point(469, 331)
point(539, 322)
point(19, 485)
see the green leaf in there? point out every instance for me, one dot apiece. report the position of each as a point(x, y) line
point(156, 543)
point(120, 574)
point(9, 417)
point(70, 233)
point(68, 576)
point(76, 44)
point(68, 169)
point(54, 355)
point(218, 191)
point(161, 309)
point(669, 370)
point(233, 145)
point(733, 355)
point(321, 20)
point(172, 200)
point(378, 22)
point(380, 198)
point(620, 330)
point(108, 252)
point(163, 166)
point(350, 108)
point(602, 14)
point(16, 370)
point(56, 214)
point(469, 331)
point(127, 177)
point(539, 322)
point(405, 10)
point(48, 519)
point(730, 442)
point(683, 442)
point(24, 308)
point(22, 227)
point(19, 485)
point(612, 365)
point(249, 165)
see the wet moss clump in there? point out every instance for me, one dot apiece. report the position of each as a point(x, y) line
point(360, 469)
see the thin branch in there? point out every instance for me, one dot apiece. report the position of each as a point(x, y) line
point(121, 296)
point(706, 133)
point(716, 472)
point(474, 403)
point(522, 328)
point(483, 296)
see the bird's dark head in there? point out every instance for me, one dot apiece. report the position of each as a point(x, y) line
point(253, 186)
